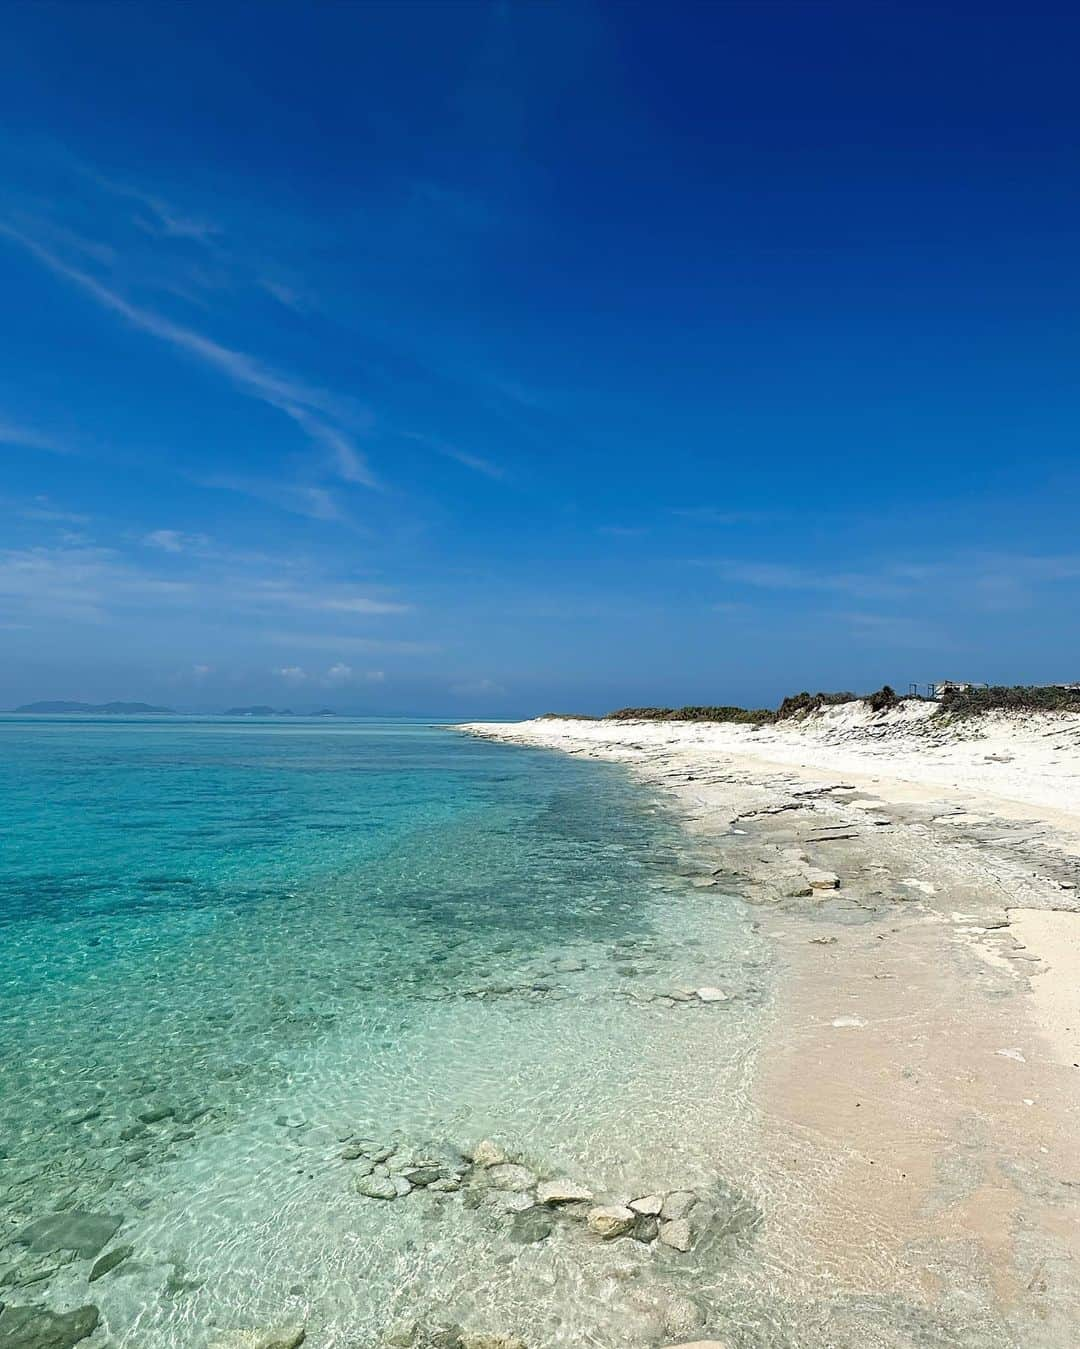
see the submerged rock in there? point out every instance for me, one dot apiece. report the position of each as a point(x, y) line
point(676, 1234)
point(87, 1234)
point(154, 1114)
point(380, 1187)
point(712, 995)
point(110, 1260)
point(510, 1176)
point(678, 1204)
point(532, 1225)
point(421, 1176)
point(648, 1204)
point(563, 1192)
point(35, 1269)
point(488, 1153)
point(681, 1315)
point(610, 1220)
point(35, 1327)
point(507, 1201)
point(646, 1227)
point(281, 1337)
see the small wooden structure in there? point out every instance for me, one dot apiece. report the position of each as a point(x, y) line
point(943, 686)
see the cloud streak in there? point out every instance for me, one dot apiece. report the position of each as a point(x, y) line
point(315, 411)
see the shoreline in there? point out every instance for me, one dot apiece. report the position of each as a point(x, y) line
point(919, 1080)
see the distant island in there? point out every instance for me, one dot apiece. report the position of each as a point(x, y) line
point(115, 709)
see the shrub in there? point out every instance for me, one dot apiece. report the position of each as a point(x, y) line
point(751, 715)
point(885, 698)
point(1010, 698)
point(800, 704)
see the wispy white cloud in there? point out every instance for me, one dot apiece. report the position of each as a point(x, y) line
point(159, 216)
point(316, 411)
point(316, 503)
point(77, 583)
point(787, 576)
point(474, 461)
point(174, 541)
point(330, 642)
point(356, 604)
point(29, 438)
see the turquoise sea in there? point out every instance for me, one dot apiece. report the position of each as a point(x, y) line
point(233, 950)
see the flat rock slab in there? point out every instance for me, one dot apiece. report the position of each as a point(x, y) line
point(510, 1176)
point(676, 1234)
point(563, 1192)
point(610, 1220)
point(38, 1328)
point(532, 1225)
point(678, 1204)
point(109, 1261)
point(283, 1337)
point(87, 1234)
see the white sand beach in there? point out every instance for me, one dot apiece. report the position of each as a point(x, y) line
point(917, 876)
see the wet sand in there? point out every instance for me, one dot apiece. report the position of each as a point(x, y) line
point(919, 1091)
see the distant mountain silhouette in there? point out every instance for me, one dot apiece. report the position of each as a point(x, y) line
point(116, 709)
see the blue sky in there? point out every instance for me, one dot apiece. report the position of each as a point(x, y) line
point(487, 358)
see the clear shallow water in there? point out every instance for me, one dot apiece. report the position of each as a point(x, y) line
point(271, 936)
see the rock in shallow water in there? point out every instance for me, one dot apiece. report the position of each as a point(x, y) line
point(382, 1187)
point(699, 1344)
point(678, 1204)
point(282, 1337)
point(34, 1327)
point(676, 1234)
point(610, 1220)
point(509, 1176)
point(488, 1153)
point(532, 1225)
point(85, 1233)
point(109, 1261)
point(563, 1192)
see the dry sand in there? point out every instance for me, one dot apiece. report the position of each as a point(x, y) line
point(922, 1080)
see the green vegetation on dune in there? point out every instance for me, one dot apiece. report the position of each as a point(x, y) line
point(757, 715)
point(795, 705)
point(1011, 698)
point(955, 702)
